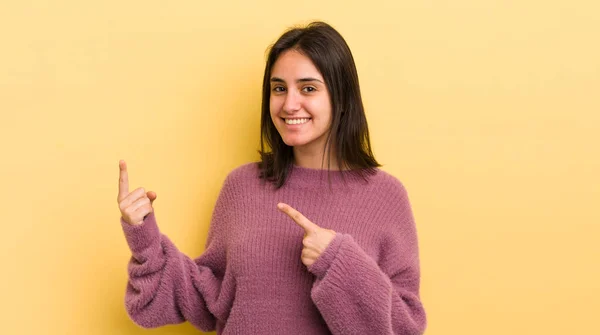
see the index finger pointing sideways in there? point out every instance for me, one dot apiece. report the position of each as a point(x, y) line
point(123, 180)
point(300, 219)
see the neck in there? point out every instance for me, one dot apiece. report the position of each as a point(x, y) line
point(314, 159)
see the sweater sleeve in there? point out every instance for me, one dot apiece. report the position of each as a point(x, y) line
point(167, 287)
point(357, 295)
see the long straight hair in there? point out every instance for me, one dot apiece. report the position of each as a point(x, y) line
point(330, 54)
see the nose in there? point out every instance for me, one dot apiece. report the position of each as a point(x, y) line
point(292, 102)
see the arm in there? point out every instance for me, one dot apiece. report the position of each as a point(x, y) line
point(356, 295)
point(167, 287)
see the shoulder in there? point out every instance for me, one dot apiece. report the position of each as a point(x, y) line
point(398, 221)
point(241, 175)
point(244, 172)
point(389, 185)
point(234, 187)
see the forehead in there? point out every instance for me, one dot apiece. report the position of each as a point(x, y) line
point(291, 65)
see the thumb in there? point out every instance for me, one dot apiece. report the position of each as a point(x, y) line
point(152, 196)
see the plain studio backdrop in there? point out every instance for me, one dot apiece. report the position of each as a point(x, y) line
point(487, 111)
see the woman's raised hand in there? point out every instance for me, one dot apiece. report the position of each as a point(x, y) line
point(134, 206)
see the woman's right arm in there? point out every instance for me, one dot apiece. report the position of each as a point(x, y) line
point(165, 286)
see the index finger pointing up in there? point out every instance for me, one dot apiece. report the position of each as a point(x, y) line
point(123, 180)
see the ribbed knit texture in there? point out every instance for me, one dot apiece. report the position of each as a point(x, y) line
point(250, 278)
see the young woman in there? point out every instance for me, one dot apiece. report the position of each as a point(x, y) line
point(293, 247)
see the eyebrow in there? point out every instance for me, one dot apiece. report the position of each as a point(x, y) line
point(301, 80)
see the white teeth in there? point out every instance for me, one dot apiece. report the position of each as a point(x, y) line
point(296, 121)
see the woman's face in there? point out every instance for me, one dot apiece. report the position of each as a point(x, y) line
point(300, 105)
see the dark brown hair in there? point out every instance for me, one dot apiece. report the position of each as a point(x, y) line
point(330, 54)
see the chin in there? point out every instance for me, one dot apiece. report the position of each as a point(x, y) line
point(293, 142)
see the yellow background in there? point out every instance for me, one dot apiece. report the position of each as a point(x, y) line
point(488, 111)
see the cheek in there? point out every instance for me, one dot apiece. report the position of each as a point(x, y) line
point(321, 109)
point(275, 105)
point(273, 109)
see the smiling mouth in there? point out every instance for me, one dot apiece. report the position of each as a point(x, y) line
point(296, 121)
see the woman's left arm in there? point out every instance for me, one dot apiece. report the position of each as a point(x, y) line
point(355, 295)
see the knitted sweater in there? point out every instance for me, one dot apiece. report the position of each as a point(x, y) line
point(250, 279)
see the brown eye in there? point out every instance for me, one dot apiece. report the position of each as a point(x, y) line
point(278, 89)
point(309, 89)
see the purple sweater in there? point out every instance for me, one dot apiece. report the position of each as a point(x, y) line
point(250, 278)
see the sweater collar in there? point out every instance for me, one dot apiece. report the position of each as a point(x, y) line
point(319, 178)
